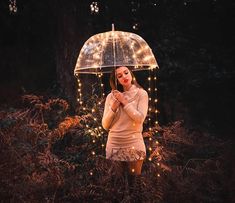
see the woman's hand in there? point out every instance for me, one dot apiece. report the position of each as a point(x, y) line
point(115, 105)
point(120, 97)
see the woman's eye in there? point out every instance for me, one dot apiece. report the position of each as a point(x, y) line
point(126, 73)
point(119, 76)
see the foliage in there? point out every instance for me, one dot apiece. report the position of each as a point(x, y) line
point(50, 156)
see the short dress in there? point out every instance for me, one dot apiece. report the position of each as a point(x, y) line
point(125, 140)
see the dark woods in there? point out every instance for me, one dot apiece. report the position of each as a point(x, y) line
point(47, 153)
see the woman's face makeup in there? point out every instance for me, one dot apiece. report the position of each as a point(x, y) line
point(124, 76)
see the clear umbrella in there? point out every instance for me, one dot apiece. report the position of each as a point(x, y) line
point(103, 51)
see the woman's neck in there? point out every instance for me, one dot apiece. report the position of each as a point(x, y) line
point(126, 88)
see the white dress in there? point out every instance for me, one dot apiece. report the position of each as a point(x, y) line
point(125, 141)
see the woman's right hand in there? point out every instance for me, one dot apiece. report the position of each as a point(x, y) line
point(115, 105)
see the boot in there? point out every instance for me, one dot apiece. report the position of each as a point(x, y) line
point(135, 188)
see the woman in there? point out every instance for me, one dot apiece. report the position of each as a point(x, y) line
point(124, 113)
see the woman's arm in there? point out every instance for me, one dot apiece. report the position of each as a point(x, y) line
point(109, 112)
point(139, 114)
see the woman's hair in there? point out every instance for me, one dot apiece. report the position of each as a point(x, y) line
point(115, 85)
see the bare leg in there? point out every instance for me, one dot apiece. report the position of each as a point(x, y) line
point(135, 167)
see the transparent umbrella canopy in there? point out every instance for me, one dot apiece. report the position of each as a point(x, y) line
point(103, 51)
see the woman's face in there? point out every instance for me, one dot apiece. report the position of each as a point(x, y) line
point(124, 76)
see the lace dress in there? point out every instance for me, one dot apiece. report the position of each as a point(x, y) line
point(125, 141)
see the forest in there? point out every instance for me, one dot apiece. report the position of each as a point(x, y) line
point(52, 148)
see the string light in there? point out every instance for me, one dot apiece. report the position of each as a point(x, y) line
point(94, 7)
point(135, 26)
point(12, 6)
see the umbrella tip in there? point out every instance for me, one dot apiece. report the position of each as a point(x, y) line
point(113, 27)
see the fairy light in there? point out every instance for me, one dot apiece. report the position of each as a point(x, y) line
point(158, 175)
point(12, 6)
point(91, 173)
point(140, 50)
point(79, 99)
point(135, 26)
point(132, 170)
point(94, 7)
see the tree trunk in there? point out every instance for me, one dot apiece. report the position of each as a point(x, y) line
point(71, 35)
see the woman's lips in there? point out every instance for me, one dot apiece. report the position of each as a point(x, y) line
point(126, 80)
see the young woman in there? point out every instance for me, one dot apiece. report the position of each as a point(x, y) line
point(124, 113)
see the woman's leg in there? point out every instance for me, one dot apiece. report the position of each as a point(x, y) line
point(135, 167)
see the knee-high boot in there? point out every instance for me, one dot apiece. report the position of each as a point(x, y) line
point(135, 188)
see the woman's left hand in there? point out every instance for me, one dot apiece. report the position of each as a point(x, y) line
point(120, 97)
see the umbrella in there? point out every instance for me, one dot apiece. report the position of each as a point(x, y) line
point(110, 49)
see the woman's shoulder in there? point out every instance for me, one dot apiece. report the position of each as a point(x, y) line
point(143, 92)
point(109, 96)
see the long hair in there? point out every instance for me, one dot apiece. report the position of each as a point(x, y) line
point(115, 85)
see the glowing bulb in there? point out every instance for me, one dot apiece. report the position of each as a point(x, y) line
point(158, 175)
point(102, 145)
point(150, 139)
point(150, 148)
point(149, 78)
point(91, 173)
point(158, 164)
point(157, 142)
point(132, 170)
point(93, 141)
point(93, 153)
point(150, 159)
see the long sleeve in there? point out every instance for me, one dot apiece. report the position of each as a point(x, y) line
point(138, 115)
point(108, 114)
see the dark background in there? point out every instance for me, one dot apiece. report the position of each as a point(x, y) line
point(193, 42)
